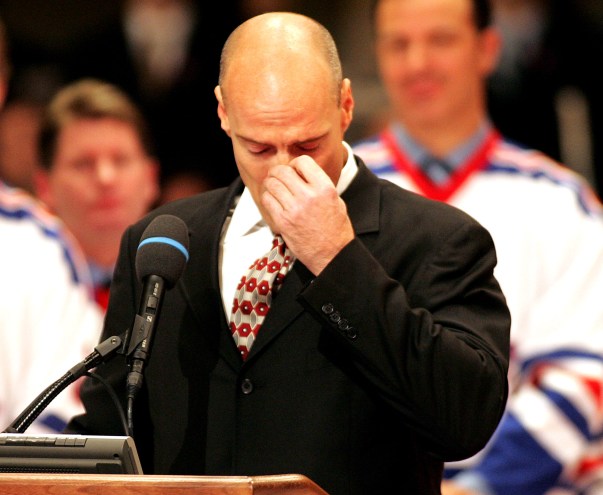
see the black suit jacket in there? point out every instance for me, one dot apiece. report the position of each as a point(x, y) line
point(364, 378)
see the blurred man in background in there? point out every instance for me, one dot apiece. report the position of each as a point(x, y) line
point(434, 58)
point(97, 170)
point(49, 319)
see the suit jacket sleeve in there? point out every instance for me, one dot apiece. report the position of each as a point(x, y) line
point(427, 326)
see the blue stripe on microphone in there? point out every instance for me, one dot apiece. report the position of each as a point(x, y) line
point(165, 240)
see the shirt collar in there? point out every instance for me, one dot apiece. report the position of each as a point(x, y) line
point(456, 158)
point(246, 217)
point(348, 172)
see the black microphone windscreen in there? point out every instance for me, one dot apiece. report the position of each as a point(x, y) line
point(163, 249)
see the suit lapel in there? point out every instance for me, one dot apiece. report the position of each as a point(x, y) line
point(363, 200)
point(201, 282)
point(281, 315)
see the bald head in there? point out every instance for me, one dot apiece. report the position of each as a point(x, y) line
point(281, 95)
point(277, 47)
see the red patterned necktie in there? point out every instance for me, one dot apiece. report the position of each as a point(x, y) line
point(255, 292)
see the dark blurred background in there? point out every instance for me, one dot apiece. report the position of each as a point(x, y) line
point(547, 93)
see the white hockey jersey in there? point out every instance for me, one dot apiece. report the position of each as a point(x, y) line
point(48, 319)
point(547, 226)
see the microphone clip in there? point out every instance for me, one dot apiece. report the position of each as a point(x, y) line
point(140, 338)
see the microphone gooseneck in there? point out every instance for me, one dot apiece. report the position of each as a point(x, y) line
point(102, 353)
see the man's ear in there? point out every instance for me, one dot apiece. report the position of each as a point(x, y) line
point(3, 92)
point(153, 189)
point(347, 104)
point(491, 40)
point(224, 123)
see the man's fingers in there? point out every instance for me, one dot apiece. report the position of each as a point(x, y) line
point(309, 170)
point(301, 170)
point(282, 187)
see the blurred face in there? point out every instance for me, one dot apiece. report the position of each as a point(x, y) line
point(101, 179)
point(432, 59)
point(276, 123)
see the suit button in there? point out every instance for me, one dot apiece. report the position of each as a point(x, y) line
point(247, 386)
point(343, 324)
point(327, 308)
point(335, 317)
point(351, 333)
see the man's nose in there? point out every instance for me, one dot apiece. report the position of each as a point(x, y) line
point(416, 56)
point(106, 171)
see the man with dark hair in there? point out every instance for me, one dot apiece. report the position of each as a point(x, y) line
point(434, 57)
point(97, 169)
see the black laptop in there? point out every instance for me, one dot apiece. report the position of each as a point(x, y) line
point(64, 453)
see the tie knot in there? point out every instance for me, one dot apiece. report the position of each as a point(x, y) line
point(279, 243)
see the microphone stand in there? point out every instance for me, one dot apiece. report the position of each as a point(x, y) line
point(102, 353)
point(140, 341)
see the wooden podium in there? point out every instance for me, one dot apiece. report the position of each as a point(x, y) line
point(117, 484)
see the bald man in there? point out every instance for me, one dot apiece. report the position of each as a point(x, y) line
point(383, 351)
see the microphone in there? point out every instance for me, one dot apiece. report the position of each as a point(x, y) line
point(160, 260)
